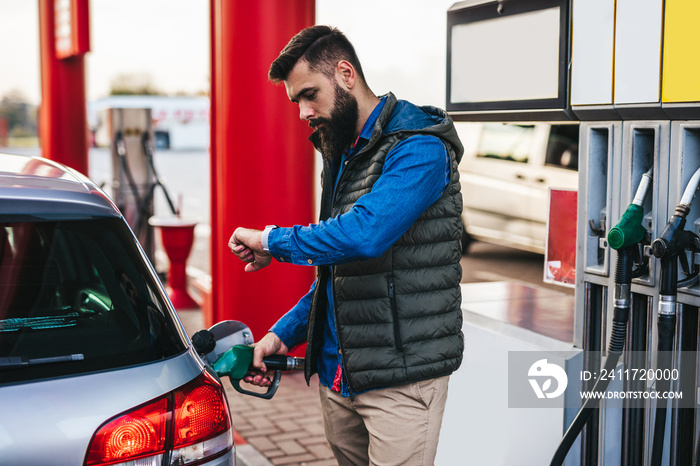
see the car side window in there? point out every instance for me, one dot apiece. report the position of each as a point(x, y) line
point(506, 142)
point(562, 147)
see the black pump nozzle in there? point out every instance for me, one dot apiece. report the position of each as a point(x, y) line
point(672, 240)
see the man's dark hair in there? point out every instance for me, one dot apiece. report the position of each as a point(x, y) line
point(322, 47)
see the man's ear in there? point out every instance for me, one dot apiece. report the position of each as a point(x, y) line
point(345, 74)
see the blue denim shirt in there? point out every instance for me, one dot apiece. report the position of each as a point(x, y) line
point(415, 174)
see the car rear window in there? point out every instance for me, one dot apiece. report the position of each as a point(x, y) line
point(75, 297)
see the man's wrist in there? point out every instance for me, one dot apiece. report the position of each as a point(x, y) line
point(265, 237)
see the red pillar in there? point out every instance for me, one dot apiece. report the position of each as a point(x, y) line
point(63, 113)
point(261, 161)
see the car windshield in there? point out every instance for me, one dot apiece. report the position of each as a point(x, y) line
point(75, 297)
point(506, 142)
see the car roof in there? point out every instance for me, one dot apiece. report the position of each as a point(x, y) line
point(38, 187)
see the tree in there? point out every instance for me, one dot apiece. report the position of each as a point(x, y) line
point(21, 117)
point(133, 84)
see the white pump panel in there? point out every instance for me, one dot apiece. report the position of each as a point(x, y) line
point(592, 52)
point(638, 29)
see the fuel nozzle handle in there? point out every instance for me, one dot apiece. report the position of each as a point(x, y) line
point(629, 229)
point(667, 247)
point(237, 361)
point(673, 239)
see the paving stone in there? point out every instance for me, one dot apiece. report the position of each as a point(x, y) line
point(295, 435)
point(260, 432)
point(261, 443)
point(312, 440)
point(315, 429)
point(293, 460)
point(291, 447)
point(288, 425)
point(261, 422)
point(326, 462)
point(320, 450)
point(271, 454)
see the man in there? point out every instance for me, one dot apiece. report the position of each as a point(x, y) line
point(383, 319)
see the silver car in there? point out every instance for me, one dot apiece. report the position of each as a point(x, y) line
point(95, 367)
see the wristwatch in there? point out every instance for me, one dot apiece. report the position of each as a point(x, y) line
point(265, 234)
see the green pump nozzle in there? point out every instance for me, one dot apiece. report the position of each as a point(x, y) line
point(237, 360)
point(629, 229)
point(226, 346)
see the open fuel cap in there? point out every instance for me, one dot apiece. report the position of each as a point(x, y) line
point(226, 334)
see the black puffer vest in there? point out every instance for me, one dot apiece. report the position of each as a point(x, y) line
point(398, 316)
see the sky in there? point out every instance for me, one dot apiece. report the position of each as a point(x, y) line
point(401, 44)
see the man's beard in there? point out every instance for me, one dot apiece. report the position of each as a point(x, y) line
point(338, 131)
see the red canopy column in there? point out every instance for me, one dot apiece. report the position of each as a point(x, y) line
point(262, 165)
point(64, 40)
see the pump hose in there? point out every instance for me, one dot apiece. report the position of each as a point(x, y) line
point(667, 327)
point(623, 275)
point(584, 413)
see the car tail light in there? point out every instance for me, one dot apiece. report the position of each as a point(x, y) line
point(133, 435)
point(202, 424)
point(189, 425)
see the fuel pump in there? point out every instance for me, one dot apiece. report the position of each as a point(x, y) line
point(624, 237)
point(143, 202)
point(147, 144)
point(670, 248)
point(134, 176)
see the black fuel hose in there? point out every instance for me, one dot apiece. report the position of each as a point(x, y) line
point(667, 329)
point(667, 247)
point(623, 279)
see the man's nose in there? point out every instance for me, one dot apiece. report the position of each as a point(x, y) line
point(305, 112)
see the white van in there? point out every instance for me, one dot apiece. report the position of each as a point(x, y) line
point(506, 173)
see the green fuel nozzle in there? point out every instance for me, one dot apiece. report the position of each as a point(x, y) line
point(236, 362)
point(629, 229)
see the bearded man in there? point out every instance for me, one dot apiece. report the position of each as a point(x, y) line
point(383, 319)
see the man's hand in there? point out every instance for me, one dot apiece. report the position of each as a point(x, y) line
point(246, 244)
point(268, 345)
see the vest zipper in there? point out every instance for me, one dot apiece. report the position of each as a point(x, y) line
point(395, 313)
point(332, 188)
point(344, 374)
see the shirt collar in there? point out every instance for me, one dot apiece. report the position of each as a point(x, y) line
point(367, 129)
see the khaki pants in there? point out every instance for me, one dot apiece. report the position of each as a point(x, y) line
point(390, 426)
